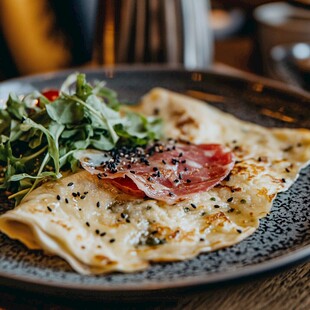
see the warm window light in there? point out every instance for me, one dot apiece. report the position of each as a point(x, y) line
point(26, 26)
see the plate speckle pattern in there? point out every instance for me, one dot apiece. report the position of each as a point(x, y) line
point(285, 230)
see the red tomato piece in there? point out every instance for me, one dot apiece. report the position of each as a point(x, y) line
point(127, 186)
point(51, 94)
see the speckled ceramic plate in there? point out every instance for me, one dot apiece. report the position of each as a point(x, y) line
point(282, 240)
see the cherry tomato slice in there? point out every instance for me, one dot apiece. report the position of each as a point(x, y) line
point(127, 186)
point(51, 94)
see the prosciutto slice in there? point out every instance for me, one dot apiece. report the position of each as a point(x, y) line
point(168, 173)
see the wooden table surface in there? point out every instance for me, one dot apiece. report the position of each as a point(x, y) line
point(286, 290)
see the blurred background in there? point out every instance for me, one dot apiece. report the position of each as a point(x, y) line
point(264, 37)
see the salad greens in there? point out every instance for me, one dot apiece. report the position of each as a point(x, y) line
point(38, 137)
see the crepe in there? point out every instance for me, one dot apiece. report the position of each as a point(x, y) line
point(97, 228)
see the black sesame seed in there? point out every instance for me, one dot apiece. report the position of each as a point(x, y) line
point(188, 181)
point(243, 201)
point(216, 206)
point(171, 194)
point(230, 199)
point(239, 231)
point(185, 169)
point(164, 162)
point(203, 214)
point(186, 209)
point(132, 171)
point(112, 240)
point(74, 194)
point(49, 209)
point(156, 111)
point(155, 169)
point(288, 149)
point(70, 184)
point(103, 234)
point(180, 176)
point(87, 224)
point(97, 231)
point(83, 197)
point(180, 154)
point(127, 220)
point(98, 204)
point(66, 200)
point(58, 197)
point(176, 181)
point(150, 179)
point(201, 239)
point(193, 205)
point(283, 180)
point(183, 161)
point(287, 170)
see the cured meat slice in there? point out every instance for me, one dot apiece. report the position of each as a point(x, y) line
point(167, 172)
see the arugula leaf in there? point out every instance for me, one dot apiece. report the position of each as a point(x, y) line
point(51, 140)
point(4, 143)
point(103, 116)
point(15, 107)
point(65, 111)
point(5, 120)
point(21, 176)
point(109, 96)
point(83, 89)
point(65, 88)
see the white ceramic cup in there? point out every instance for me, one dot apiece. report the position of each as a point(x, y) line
point(280, 23)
